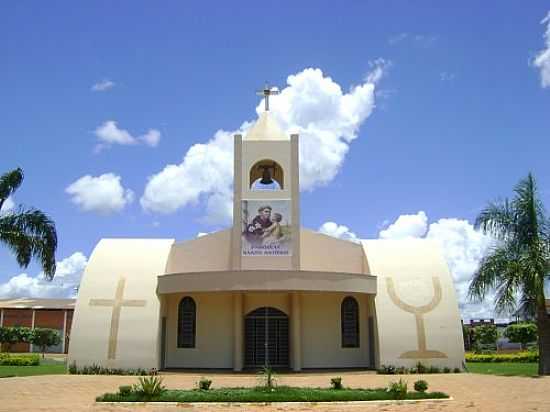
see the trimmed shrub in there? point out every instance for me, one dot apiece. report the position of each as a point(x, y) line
point(398, 390)
point(421, 368)
point(336, 383)
point(520, 357)
point(421, 386)
point(456, 370)
point(19, 360)
point(204, 384)
point(43, 337)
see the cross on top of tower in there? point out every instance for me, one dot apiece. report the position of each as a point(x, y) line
point(266, 92)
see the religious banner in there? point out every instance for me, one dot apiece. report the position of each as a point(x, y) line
point(266, 228)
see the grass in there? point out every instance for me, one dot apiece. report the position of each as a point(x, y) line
point(278, 394)
point(46, 367)
point(503, 368)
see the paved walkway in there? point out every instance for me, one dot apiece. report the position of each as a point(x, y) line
point(471, 392)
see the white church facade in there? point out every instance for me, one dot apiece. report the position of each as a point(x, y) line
point(266, 291)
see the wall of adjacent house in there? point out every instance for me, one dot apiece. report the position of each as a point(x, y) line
point(214, 332)
point(321, 332)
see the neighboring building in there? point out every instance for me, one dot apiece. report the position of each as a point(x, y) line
point(266, 290)
point(39, 313)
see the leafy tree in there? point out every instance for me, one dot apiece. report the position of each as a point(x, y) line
point(485, 334)
point(29, 233)
point(11, 335)
point(43, 338)
point(517, 266)
point(521, 333)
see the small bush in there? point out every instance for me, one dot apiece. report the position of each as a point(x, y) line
point(204, 384)
point(386, 370)
point(421, 386)
point(398, 390)
point(72, 368)
point(125, 390)
point(19, 360)
point(446, 370)
point(267, 378)
point(336, 383)
point(434, 369)
point(149, 387)
point(456, 370)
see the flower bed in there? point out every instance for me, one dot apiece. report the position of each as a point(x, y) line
point(278, 394)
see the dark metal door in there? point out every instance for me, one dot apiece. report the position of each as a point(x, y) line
point(266, 328)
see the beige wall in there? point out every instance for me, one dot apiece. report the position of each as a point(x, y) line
point(321, 332)
point(214, 338)
point(207, 253)
point(411, 265)
point(139, 262)
point(344, 256)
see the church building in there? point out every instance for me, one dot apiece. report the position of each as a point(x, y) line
point(266, 291)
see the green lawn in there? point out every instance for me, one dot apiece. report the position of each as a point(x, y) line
point(503, 368)
point(278, 394)
point(46, 367)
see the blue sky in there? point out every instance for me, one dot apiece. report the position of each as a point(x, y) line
point(459, 115)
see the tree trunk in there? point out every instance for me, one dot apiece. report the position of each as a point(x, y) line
point(543, 324)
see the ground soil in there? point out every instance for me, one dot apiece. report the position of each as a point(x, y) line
point(471, 392)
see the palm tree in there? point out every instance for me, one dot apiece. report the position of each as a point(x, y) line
point(517, 266)
point(28, 232)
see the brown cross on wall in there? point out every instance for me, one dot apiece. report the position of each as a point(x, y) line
point(117, 303)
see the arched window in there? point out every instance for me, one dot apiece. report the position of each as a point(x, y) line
point(266, 175)
point(187, 320)
point(350, 323)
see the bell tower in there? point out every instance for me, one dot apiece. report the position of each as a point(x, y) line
point(266, 198)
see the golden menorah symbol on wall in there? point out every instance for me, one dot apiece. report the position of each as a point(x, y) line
point(418, 311)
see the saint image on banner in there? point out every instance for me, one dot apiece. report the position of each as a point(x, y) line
point(266, 228)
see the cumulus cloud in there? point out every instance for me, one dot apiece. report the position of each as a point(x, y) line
point(109, 134)
point(7, 206)
point(463, 247)
point(103, 85)
point(338, 231)
point(66, 279)
point(406, 226)
point(103, 194)
point(312, 104)
point(542, 61)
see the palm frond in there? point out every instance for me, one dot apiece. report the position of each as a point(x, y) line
point(9, 183)
point(488, 275)
point(497, 219)
point(29, 233)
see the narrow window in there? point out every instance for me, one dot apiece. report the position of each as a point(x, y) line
point(350, 323)
point(187, 315)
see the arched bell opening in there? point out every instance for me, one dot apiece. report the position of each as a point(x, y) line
point(266, 338)
point(266, 174)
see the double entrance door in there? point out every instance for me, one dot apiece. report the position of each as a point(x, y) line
point(266, 338)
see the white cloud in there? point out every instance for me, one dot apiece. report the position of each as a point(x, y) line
point(422, 40)
point(7, 206)
point(542, 61)
point(447, 76)
point(406, 226)
point(66, 279)
point(338, 231)
point(103, 194)
point(463, 248)
point(103, 85)
point(313, 105)
point(109, 134)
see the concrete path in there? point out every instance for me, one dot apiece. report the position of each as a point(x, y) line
point(471, 392)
